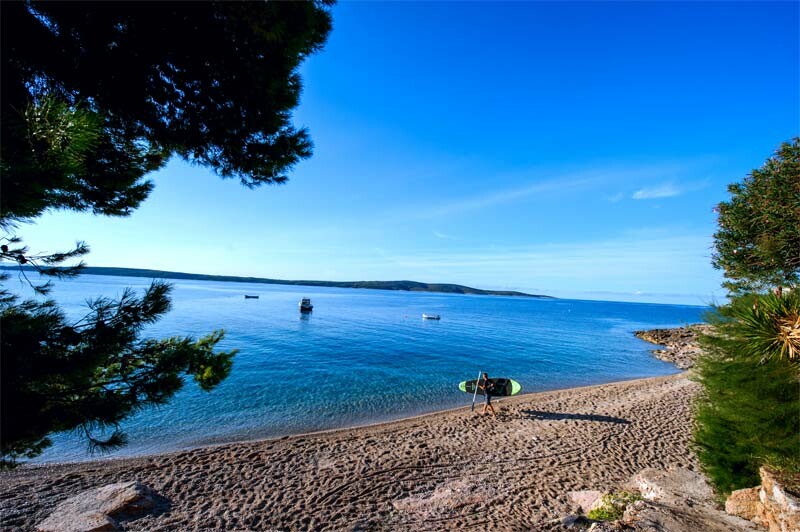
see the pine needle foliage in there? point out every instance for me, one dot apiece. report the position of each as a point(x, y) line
point(212, 82)
point(94, 98)
point(758, 239)
point(749, 411)
point(91, 374)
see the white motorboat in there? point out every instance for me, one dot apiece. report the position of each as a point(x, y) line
point(431, 317)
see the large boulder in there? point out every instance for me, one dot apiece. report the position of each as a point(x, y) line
point(675, 485)
point(101, 508)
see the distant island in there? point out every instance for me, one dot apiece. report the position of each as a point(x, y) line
point(408, 286)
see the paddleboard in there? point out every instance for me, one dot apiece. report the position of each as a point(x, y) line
point(502, 387)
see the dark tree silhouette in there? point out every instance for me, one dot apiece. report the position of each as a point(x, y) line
point(94, 96)
point(214, 82)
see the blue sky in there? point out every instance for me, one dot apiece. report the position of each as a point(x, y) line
point(571, 149)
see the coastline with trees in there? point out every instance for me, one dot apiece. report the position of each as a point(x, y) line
point(95, 99)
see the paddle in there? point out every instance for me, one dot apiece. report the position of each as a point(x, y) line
point(474, 395)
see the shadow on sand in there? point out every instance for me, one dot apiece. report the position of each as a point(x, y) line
point(538, 414)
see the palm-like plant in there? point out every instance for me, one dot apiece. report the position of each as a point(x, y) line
point(770, 324)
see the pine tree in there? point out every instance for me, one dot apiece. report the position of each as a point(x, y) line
point(758, 240)
point(92, 100)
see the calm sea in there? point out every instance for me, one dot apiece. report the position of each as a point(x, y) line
point(365, 356)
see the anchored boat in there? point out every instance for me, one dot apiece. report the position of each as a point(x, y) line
point(305, 305)
point(431, 317)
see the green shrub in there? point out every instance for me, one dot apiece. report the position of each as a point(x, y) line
point(749, 411)
point(612, 506)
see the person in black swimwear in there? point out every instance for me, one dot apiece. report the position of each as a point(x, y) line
point(488, 387)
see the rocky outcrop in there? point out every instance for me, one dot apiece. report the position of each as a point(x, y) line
point(743, 503)
point(675, 500)
point(680, 344)
point(769, 505)
point(778, 509)
point(678, 500)
point(101, 509)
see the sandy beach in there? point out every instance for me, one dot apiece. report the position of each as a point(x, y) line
point(444, 471)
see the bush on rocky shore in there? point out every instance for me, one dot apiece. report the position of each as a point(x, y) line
point(612, 506)
point(749, 411)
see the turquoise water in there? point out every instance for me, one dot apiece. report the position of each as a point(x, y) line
point(365, 356)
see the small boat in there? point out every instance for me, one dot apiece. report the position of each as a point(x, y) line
point(431, 317)
point(250, 297)
point(305, 305)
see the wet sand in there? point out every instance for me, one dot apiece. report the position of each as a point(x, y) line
point(443, 471)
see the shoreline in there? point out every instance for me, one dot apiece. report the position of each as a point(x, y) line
point(333, 431)
point(206, 441)
point(450, 469)
point(416, 473)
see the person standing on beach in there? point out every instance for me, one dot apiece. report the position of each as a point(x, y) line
point(488, 388)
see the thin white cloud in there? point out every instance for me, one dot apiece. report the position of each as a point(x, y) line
point(549, 181)
point(619, 196)
point(443, 236)
point(503, 196)
point(666, 190)
point(669, 189)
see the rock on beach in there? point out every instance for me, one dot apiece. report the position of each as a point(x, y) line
point(100, 508)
